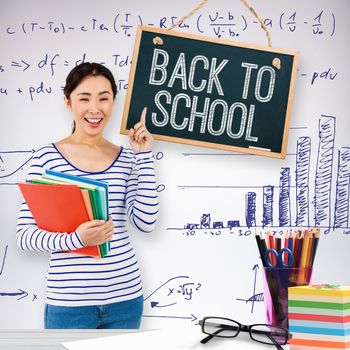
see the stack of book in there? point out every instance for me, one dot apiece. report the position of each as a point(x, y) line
point(61, 202)
point(319, 316)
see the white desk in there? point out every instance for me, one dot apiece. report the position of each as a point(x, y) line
point(53, 339)
point(46, 339)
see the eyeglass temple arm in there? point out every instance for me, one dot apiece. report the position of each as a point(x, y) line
point(268, 334)
point(278, 346)
point(210, 336)
point(223, 328)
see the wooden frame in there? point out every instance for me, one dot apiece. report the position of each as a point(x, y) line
point(250, 150)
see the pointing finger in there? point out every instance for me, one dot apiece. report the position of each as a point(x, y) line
point(143, 115)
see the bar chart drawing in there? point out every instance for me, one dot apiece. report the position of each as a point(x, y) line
point(284, 198)
point(315, 194)
point(302, 174)
point(323, 178)
point(341, 208)
point(251, 209)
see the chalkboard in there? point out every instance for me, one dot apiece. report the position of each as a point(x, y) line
point(209, 92)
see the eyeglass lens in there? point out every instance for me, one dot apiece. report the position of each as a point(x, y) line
point(221, 327)
point(268, 334)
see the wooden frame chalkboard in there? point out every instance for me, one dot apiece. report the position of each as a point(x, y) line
point(211, 92)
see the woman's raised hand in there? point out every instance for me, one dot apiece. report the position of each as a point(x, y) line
point(141, 140)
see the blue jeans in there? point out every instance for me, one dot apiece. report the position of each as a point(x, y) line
point(122, 315)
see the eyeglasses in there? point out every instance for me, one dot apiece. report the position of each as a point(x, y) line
point(227, 328)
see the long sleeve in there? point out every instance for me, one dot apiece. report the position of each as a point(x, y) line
point(77, 279)
point(29, 236)
point(141, 193)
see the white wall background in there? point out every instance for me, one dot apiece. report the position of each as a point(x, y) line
point(189, 274)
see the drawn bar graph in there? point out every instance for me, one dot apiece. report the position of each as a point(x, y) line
point(322, 184)
point(323, 178)
point(250, 209)
point(302, 174)
point(284, 213)
point(341, 208)
point(268, 206)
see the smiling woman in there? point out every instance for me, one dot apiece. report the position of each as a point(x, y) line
point(91, 103)
point(95, 106)
point(83, 292)
point(83, 72)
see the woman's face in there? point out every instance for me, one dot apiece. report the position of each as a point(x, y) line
point(91, 103)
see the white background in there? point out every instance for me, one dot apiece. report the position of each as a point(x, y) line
point(195, 275)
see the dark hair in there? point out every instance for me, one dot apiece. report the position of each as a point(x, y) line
point(83, 70)
point(86, 69)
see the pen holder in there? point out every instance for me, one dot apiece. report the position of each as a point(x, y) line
point(276, 282)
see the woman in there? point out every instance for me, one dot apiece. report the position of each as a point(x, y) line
point(84, 292)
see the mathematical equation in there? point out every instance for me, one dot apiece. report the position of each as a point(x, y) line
point(42, 88)
point(31, 91)
point(173, 292)
point(50, 62)
point(220, 24)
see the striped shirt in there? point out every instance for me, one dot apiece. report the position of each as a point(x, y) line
point(78, 280)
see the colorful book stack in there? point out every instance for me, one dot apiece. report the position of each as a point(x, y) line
point(61, 202)
point(319, 316)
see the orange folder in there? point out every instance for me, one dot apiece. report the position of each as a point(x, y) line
point(88, 206)
point(58, 208)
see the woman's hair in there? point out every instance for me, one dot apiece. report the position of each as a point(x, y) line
point(83, 70)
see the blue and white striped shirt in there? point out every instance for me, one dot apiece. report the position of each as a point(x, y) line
point(78, 280)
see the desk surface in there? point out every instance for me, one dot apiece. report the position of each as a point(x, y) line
point(47, 339)
point(52, 340)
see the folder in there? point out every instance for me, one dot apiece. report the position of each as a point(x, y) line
point(100, 186)
point(88, 205)
point(98, 192)
point(58, 208)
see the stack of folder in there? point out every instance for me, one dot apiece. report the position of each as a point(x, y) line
point(319, 316)
point(61, 202)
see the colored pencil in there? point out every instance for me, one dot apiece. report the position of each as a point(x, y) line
point(291, 241)
point(300, 248)
point(303, 245)
point(261, 250)
point(271, 242)
point(311, 248)
point(296, 247)
point(304, 251)
point(317, 238)
point(286, 245)
point(264, 245)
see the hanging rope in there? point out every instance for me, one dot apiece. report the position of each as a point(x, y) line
point(183, 19)
point(262, 24)
point(250, 8)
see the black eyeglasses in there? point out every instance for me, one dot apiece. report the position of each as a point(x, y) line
point(227, 328)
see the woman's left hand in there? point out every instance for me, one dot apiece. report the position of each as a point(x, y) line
point(141, 140)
